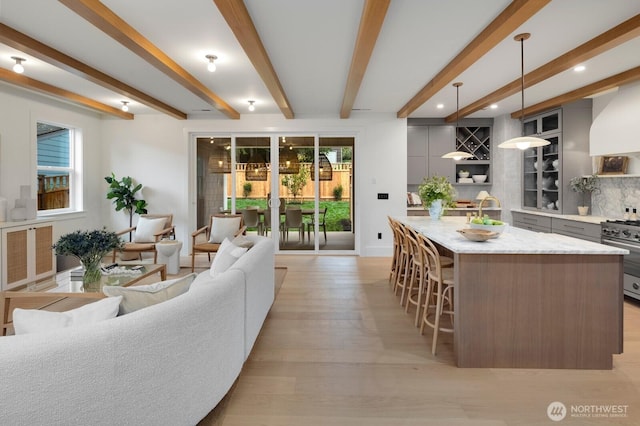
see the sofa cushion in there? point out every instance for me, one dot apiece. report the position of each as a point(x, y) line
point(138, 297)
point(146, 229)
point(226, 256)
point(242, 241)
point(36, 321)
point(224, 227)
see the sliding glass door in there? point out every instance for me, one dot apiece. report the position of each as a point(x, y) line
point(296, 189)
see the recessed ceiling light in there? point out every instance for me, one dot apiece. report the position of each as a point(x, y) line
point(493, 106)
point(440, 106)
point(579, 68)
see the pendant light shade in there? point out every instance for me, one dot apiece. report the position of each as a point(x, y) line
point(457, 155)
point(256, 168)
point(523, 142)
point(325, 170)
point(289, 163)
point(220, 161)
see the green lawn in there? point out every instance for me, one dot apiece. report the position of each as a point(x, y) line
point(336, 210)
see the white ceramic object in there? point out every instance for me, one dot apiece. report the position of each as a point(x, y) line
point(463, 174)
point(479, 178)
point(555, 164)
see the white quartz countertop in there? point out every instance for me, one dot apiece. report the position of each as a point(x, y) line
point(512, 241)
point(471, 209)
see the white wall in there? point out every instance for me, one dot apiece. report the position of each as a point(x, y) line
point(19, 112)
point(155, 150)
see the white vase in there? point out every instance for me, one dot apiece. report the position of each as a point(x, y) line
point(435, 209)
point(583, 210)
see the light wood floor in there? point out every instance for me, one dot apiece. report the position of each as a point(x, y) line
point(337, 349)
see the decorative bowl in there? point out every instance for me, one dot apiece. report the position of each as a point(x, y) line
point(476, 234)
point(479, 178)
point(496, 229)
point(463, 174)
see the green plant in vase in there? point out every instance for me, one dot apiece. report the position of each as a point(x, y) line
point(436, 193)
point(89, 247)
point(585, 185)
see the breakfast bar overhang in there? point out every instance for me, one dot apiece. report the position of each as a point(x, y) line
point(531, 300)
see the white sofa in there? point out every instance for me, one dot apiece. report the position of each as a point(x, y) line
point(167, 364)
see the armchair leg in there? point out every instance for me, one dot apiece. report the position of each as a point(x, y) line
point(193, 260)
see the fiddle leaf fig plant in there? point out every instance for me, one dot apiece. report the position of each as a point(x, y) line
point(123, 194)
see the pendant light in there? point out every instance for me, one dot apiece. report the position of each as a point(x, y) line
point(325, 169)
point(457, 155)
point(523, 142)
point(256, 168)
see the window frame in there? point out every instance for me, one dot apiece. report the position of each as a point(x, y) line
point(74, 169)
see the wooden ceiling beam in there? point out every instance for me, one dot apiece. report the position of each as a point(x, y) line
point(25, 82)
point(30, 46)
point(612, 82)
point(373, 14)
point(237, 16)
point(103, 18)
point(514, 15)
point(614, 37)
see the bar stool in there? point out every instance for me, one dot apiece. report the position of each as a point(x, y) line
point(440, 284)
point(404, 265)
point(396, 251)
point(418, 277)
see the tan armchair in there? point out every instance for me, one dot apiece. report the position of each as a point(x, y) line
point(150, 229)
point(208, 238)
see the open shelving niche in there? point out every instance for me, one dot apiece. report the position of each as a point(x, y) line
point(475, 140)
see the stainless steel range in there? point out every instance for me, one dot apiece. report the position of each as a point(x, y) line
point(625, 234)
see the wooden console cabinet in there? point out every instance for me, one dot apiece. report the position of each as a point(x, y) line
point(26, 253)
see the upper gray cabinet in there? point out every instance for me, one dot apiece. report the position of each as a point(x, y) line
point(547, 170)
point(429, 139)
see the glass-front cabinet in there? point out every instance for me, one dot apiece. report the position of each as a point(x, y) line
point(542, 166)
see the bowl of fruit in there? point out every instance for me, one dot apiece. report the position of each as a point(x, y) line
point(488, 224)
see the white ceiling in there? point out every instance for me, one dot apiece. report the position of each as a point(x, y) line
point(310, 44)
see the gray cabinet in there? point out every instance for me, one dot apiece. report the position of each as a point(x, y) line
point(429, 139)
point(532, 222)
point(425, 147)
point(558, 225)
point(547, 170)
point(577, 229)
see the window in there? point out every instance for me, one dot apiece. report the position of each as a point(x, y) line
point(57, 185)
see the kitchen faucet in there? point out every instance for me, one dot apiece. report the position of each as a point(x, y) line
point(488, 197)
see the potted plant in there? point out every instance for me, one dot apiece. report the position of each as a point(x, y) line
point(89, 247)
point(585, 185)
point(123, 194)
point(436, 193)
point(246, 189)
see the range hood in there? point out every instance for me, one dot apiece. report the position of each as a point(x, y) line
point(615, 130)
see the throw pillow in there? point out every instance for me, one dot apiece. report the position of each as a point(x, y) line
point(224, 227)
point(146, 229)
point(141, 296)
point(226, 256)
point(36, 321)
point(242, 241)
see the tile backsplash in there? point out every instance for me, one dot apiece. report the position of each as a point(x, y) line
point(615, 194)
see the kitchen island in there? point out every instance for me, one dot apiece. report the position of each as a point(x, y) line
point(531, 300)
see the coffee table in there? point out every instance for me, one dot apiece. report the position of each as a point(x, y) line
point(62, 286)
